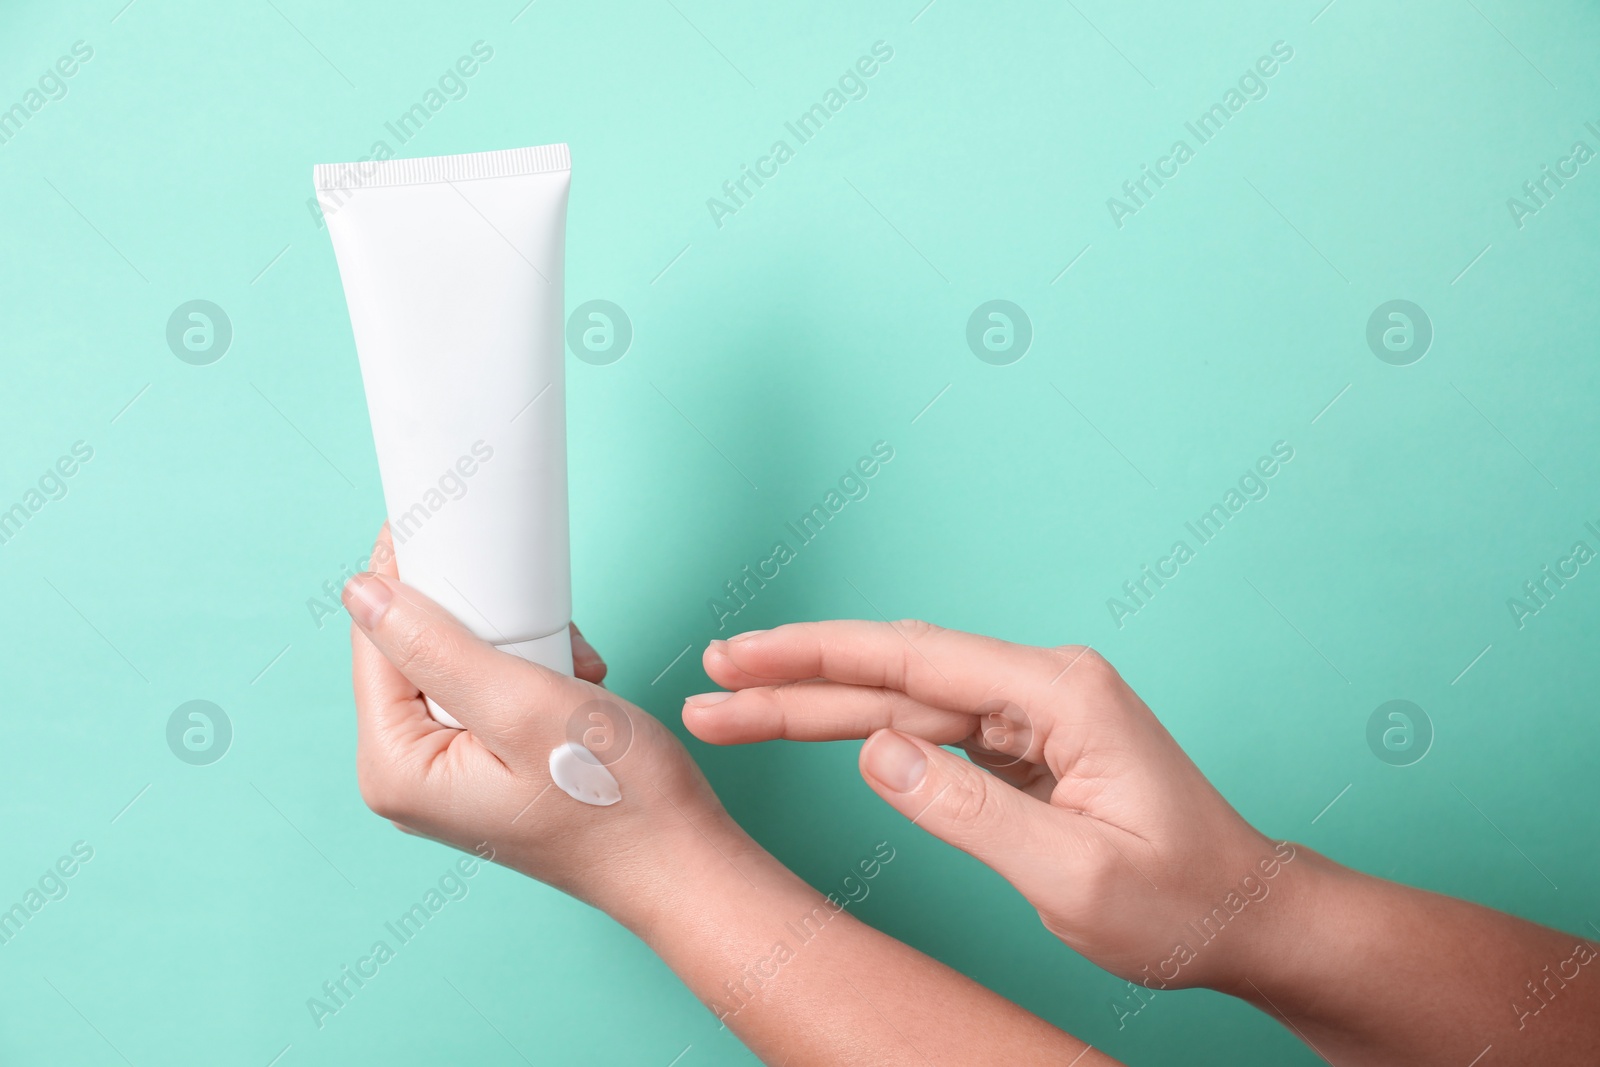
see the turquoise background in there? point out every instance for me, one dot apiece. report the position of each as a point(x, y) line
point(825, 315)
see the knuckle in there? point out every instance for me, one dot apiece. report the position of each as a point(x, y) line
point(1099, 673)
point(379, 794)
point(417, 644)
point(968, 801)
point(916, 629)
point(375, 797)
point(1064, 655)
point(1085, 666)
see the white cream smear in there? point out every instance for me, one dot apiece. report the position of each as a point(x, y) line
point(582, 776)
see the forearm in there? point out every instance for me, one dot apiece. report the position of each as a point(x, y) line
point(800, 981)
point(1370, 972)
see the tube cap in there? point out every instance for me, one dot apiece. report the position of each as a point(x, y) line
point(552, 650)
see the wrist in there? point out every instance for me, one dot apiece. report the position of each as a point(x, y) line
point(685, 865)
point(1288, 937)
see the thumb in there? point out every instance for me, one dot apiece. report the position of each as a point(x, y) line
point(961, 803)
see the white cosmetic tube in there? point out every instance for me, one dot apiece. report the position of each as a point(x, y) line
point(452, 270)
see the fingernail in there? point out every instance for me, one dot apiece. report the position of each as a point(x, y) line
point(366, 598)
point(895, 762)
point(705, 700)
point(582, 650)
point(746, 634)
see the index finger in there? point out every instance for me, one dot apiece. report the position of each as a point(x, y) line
point(938, 667)
point(388, 707)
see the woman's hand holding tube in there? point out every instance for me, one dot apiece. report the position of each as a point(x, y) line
point(490, 785)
